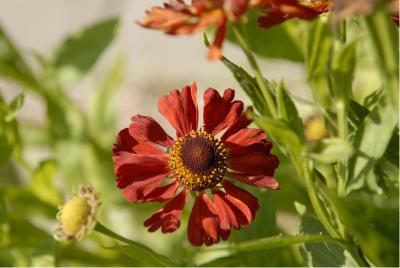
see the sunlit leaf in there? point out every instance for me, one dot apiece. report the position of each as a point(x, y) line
point(371, 140)
point(333, 150)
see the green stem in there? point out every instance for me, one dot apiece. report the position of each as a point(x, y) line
point(280, 241)
point(318, 209)
point(265, 90)
point(105, 231)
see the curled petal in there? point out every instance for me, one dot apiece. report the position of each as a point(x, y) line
point(169, 217)
point(204, 225)
point(260, 181)
point(181, 109)
point(145, 128)
point(238, 193)
point(236, 207)
point(126, 143)
point(242, 122)
point(245, 137)
point(148, 190)
point(220, 112)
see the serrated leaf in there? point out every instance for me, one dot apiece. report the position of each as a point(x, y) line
point(144, 254)
point(81, 50)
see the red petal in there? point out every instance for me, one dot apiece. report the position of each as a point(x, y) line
point(126, 143)
point(203, 226)
point(145, 128)
point(220, 112)
point(169, 217)
point(245, 137)
point(253, 160)
point(139, 166)
point(147, 191)
point(260, 181)
point(245, 197)
point(242, 122)
point(181, 109)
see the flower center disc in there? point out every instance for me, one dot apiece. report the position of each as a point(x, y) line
point(198, 160)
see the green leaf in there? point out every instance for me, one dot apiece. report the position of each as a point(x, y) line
point(371, 141)
point(42, 183)
point(81, 50)
point(248, 84)
point(288, 111)
point(321, 254)
point(144, 254)
point(277, 42)
point(14, 106)
point(374, 223)
point(344, 61)
point(319, 43)
point(12, 64)
point(281, 133)
point(333, 150)
point(383, 37)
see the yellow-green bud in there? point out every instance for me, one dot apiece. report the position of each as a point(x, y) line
point(77, 217)
point(315, 129)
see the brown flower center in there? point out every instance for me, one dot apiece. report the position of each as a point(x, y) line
point(198, 160)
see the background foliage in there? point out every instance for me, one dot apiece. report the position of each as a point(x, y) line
point(341, 188)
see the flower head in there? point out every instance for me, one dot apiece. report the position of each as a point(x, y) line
point(77, 217)
point(177, 18)
point(151, 166)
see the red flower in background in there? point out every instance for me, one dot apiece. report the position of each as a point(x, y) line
point(177, 18)
point(151, 166)
point(278, 11)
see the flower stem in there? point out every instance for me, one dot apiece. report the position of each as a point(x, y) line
point(105, 231)
point(265, 90)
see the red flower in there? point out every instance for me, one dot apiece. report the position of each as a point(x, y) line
point(180, 18)
point(278, 11)
point(151, 166)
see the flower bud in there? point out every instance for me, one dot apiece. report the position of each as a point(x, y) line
point(315, 129)
point(77, 217)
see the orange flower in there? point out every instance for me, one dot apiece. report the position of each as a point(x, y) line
point(177, 18)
